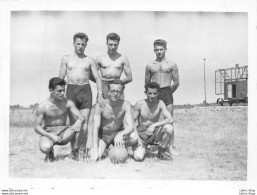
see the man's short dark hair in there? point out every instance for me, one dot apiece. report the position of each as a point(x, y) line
point(113, 36)
point(116, 81)
point(152, 85)
point(55, 82)
point(81, 36)
point(160, 42)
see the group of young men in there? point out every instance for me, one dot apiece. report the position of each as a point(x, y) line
point(112, 120)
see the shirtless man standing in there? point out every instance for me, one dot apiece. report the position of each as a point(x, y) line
point(51, 117)
point(150, 128)
point(112, 64)
point(163, 71)
point(113, 123)
point(77, 66)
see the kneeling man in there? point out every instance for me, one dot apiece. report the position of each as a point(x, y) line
point(151, 129)
point(113, 123)
point(51, 117)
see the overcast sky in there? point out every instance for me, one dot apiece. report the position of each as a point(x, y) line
point(40, 39)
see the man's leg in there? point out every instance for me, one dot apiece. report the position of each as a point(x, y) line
point(90, 126)
point(170, 108)
point(172, 150)
point(131, 140)
point(79, 139)
point(46, 146)
point(139, 153)
point(81, 143)
point(67, 136)
point(165, 137)
point(101, 148)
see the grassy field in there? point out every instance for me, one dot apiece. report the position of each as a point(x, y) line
point(212, 142)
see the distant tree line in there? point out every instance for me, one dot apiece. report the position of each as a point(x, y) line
point(18, 106)
point(33, 106)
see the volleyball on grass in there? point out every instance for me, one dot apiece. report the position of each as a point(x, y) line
point(118, 155)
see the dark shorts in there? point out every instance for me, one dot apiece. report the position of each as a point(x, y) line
point(105, 90)
point(165, 94)
point(81, 95)
point(58, 130)
point(108, 137)
point(154, 139)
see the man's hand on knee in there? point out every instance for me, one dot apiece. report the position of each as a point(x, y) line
point(118, 140)
point(77, 126)
point(55, 138)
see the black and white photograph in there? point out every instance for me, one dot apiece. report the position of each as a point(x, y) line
point(155, 97)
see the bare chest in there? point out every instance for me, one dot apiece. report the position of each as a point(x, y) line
point(152, 114)
point(165, 68)
point(56, 112)
point(78, 63)
point(113, 114)
point(109, 64)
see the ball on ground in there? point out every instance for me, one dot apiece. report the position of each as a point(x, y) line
point(118, 154)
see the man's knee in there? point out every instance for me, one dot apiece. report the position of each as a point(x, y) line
point(45, 145)
point(170, 109)
point(68, 136)
point(84, 127)
point(139, 154)
point(133, 138)
point(130, 140)
point(168, 129)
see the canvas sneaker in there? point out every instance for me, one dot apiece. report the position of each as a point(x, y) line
point(163, 154)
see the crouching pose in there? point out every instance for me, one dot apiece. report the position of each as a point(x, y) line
point(151, 129)
point(113, 123)
point(51, 116)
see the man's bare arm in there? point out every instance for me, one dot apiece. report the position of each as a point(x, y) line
point(39, 118)
point(90, 128)
point(91, 77)
point(136, 112)
point(147, 75)
point(175, 78)
point(80, 118)
point(96, 76)
point(63, 68)
point(97, 122)
point(127, 71)
point(75, 111)
point(97, 63)
point(100, 98)
point(167, 116)
point(129, 126)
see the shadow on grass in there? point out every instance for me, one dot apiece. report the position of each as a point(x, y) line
point(62, 157)
point(151, 152)
point(150, 155)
